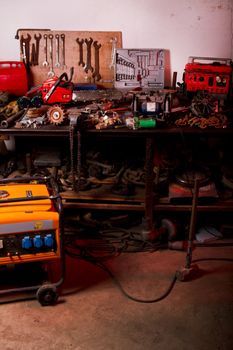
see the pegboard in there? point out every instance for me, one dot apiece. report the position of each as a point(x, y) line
point(90, 53)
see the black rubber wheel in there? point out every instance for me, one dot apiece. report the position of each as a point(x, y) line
point(24, 102)
point(37, 101)
point(47, 295)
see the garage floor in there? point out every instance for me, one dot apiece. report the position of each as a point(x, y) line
point(92, 313)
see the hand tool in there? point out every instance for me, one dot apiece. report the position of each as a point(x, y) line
point(25, 49)
point(80, 43)
point(51, 71)
point(96, 73)
point(113, 41)
point(37, 39)
point(63, 51)
point(33, 55)
point(57, 64)
point(88, 65)
point(46, 62)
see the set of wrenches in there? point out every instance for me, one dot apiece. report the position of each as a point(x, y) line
point(53, 58)
point(87, 44)
point(59, 60)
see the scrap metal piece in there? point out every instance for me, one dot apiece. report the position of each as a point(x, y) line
point(55, 114)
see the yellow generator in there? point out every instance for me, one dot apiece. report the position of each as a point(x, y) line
point(31, 229)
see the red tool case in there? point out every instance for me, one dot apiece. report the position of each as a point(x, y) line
point(212, 77)
point(13, 77)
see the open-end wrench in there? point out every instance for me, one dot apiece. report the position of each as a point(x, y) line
point(46, 62)
point(113, 41)
point(51, 71)
point(96, 73)
point(88, 65)
point(33, 55)
point(37, 48)
point(80, 43)
point(57, 64)
point(63, 51)
point(25, 49)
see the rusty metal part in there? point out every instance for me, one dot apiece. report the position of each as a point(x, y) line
point(63, 51)
point(80, 44)
point(88, 65)
point(55, 114)
point(46, 62)
point(33, 55)
point(10, 120)
point(217, 121)
point(78, 168)
point(72, 169)
point(113, 41)
point(96, 73)
point(51, 72)
point(95, 95)
point(25, 50)
point(57, 63)
point(10, 109)
point(37, 48)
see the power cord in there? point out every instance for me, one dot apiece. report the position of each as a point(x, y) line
point(85, 253)
point(92, 260)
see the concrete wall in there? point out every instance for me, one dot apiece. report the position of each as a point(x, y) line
point(184, 27)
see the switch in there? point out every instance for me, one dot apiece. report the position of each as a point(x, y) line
point(37, 241)
point(26, 242)
point(48, 240)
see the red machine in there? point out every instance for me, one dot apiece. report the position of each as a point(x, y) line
point(53, 90)
point(13, 77)
point(212, 75)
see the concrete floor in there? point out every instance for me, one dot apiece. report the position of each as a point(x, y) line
point(92, 313)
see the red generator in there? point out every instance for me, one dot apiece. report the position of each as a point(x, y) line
point(13, 77)
point(213, 75)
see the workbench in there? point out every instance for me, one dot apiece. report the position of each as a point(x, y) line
point(144, 199)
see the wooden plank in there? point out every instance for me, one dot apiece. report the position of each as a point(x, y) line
point(103, 206)
point(39, 73)
point(103, 193)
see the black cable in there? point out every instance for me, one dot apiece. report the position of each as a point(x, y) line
point(93, 261)
point(212, 259)
point(145, 301)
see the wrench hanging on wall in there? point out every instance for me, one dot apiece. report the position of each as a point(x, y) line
point(88, 65)
point(37, 48)
point(63, 51)
point(25, 50)
point(96, 75)
point(46, 62)
point(51, 71)
point(80, 44)
point(57, 63)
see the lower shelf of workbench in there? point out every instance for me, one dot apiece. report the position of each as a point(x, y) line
point(103, 198)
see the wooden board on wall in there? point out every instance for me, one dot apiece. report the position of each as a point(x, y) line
point(82, 74)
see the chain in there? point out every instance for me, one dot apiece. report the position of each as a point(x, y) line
point(71, 131)
point(78, 161)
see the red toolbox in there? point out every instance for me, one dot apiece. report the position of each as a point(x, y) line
point(13, 77)
point(208, 74)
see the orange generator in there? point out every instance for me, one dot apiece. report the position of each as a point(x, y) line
point(30, 227)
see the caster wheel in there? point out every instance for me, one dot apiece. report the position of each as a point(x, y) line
point(47, 295)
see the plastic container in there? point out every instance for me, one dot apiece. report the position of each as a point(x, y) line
point(13, 77)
